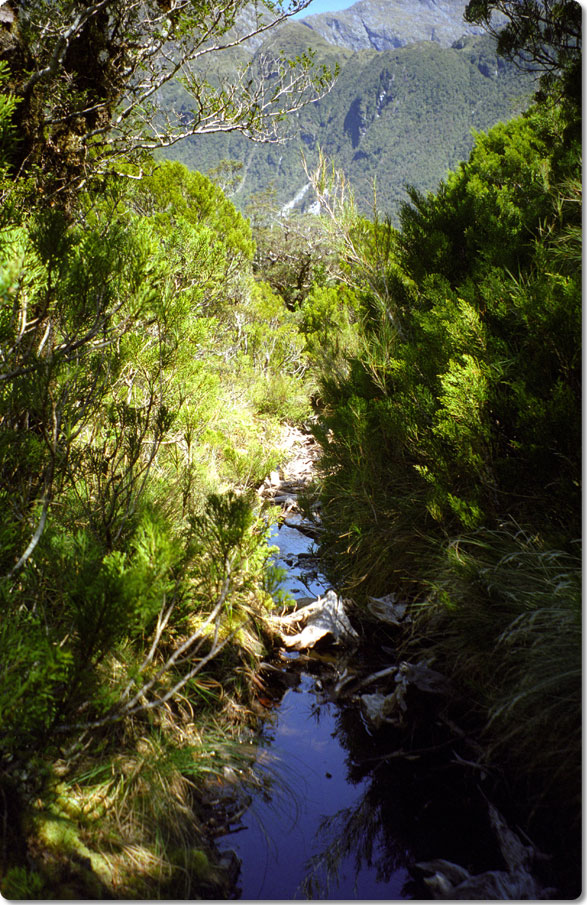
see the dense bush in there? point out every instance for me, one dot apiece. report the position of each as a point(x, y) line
point(451, 434)
point(468, 380)
point(138, 361)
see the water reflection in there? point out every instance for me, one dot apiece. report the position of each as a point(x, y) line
point(312, 780)
point(411, 808)
point(348, 812)
point(284, 833)
point(312, 769)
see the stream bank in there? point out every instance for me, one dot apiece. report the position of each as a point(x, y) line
point(372, 790)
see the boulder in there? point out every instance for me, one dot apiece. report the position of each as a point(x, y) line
point(326, 616)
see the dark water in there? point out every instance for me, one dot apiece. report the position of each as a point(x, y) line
point(304, 755)
point(308, 765)
point(285, 848)
point(347, 811)
point(311, 783)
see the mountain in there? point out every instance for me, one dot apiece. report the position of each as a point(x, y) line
point(388, 24)
point(414, 82)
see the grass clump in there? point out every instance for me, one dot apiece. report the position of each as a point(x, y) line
point(503, 617)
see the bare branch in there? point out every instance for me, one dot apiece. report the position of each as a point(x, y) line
point(62, 44)
point(95, 89)
point(45, 499)
point(139, 703)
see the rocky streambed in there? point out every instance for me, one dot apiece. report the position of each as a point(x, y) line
point(369, 789)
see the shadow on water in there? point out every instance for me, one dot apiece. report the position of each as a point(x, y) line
point(350, 810)
point(335, 821)
point(345, 817)
point(285, 831)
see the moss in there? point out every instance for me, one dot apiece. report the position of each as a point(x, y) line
point(20, 883)
point(199, 862)
point(60, 838)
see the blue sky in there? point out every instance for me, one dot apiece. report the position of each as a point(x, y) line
point(324, 6)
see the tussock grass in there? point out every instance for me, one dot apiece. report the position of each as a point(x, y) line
point(135, 818)
point(370, 542)
point(503, 618)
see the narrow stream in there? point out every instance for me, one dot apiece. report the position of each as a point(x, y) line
point(351, 812)
point(281, 830)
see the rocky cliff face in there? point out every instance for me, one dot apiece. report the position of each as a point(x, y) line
point(387, 24)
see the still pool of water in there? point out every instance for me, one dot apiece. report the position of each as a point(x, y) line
point(347, 811)
point(282, 829)
point(305, 756)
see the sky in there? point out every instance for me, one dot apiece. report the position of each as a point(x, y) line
point(324, 6)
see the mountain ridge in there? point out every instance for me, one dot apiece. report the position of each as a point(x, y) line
point(389, 24)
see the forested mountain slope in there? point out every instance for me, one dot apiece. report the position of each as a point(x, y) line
point(395, 117)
